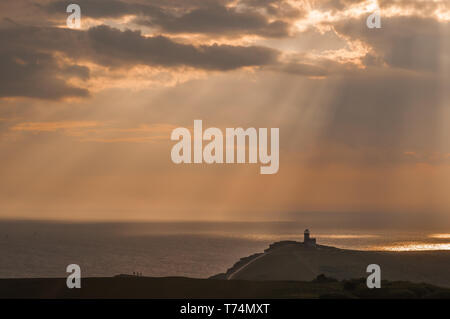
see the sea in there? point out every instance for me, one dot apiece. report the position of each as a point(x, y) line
point(160, 249)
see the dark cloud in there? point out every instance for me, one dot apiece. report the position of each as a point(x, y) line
point(30, 66)
point(32, 74)
point(277, 8)
point(114, 48)
point(111, 46)
point(218, 20)
point(425, 7)
point(208, 17)
point(260, 3)
point(403, 42)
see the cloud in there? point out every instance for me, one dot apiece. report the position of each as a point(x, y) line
point(39, 62)
point(208, 17)
point(37, 75)
point(120, 8)
point(417, 7)
point(410, 42)
point(278, 8)
point(218, 20)
point(114, 47)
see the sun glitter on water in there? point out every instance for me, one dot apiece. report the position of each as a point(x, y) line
point(440, 236)
point(417, 247)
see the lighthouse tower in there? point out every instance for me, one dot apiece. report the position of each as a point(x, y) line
point(308, 240)
point(306, 235)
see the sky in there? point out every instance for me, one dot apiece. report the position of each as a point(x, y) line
point(86, 114)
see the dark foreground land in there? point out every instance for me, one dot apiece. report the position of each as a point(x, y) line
point(178, 287)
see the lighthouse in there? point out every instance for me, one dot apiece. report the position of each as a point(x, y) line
point(308, 241)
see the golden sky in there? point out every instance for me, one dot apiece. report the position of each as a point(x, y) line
point(86, 114)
